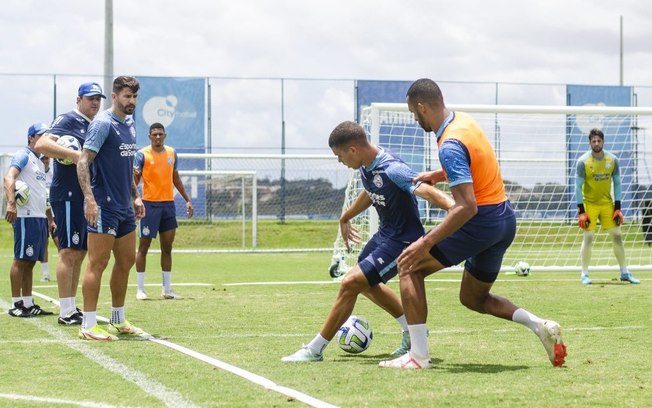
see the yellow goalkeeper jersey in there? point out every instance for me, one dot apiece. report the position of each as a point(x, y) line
point(598, 175)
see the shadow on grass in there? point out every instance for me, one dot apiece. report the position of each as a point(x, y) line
point(437, 364)
point(478, 368)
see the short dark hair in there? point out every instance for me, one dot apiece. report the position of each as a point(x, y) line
point(347, 133)
point(426, 91)
point(123, 82)
point(596, 132)
point(156, 125)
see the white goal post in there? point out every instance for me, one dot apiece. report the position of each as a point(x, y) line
point(537, 147)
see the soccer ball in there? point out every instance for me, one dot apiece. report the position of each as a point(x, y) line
point(355, 335)
point(522, 268)
point(69, 142)
point(22, 193)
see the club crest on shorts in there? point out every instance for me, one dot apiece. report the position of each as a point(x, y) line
point(378, 181)
point(145, 231)
point(75, 238)
point(29, 251)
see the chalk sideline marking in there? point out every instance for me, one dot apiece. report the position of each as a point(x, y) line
point(255, 378)
point(32, 398)
point(169, 397)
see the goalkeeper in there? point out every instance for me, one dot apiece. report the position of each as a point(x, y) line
point(595, 171)
point(388, 186)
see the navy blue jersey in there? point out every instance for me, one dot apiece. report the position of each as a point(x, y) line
point(65, 184)
point(388, 182)
point(114, 141)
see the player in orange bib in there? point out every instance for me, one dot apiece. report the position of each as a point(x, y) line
point(156, 165)
point(478, 229)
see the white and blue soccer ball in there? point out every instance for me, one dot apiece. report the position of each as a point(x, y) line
point(355, 335)
point(69, 142)
point(522, 268)
point(22, 193)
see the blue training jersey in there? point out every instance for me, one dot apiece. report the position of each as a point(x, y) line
point(388, 182)
point(65, 184)
point(114, 141)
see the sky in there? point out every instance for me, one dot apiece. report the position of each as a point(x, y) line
point(550, 42)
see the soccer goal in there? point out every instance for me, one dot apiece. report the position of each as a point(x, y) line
point(537, 147)
point(233, 202)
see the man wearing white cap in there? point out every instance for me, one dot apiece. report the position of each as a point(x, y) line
point(66, 196)
point(27, 214)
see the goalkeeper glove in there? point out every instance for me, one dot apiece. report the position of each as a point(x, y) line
point(582, 218)
point(618, 217)
point(583, 221)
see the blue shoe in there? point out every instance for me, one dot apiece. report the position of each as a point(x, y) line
point(586, 280)
point(405, 345)
point(628, 277)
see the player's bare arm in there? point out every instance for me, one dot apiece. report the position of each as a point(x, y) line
point(48, 146)
point(52, 225)
point(361, 203)
point(434, 196)
point(178, 184)
point(463, 210)
point(431, 177)
point(139, 207)
point(84, 176)
point(137, 176)
point(11, 213)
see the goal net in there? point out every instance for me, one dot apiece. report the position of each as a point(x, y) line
point(537, 147)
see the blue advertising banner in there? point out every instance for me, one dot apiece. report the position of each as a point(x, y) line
point(408, 139)
point(618, 135)
point(404, 137)
point(179, 104)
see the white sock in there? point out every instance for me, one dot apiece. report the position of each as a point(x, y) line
point(585, 251)
point(15, 300)
point(167, 281)
point(419, 340)
point(45, 269)
point(66, 305)
point(140, 278)
point(619, 249)
point(318, 344)
point(403, 322)
point(117, 314)
point(527, 319)
point(27, 301)
point(89, 319)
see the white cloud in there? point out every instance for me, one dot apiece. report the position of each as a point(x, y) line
point(551, 41)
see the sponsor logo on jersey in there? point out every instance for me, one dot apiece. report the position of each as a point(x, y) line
point(127, 149)
point(378, 181)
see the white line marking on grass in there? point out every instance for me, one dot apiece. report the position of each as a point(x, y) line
point(169, 397)
point(49, 401)
point(255, 378)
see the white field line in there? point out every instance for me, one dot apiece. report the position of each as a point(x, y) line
point(169, 397)
point(255, 378)
point(50, 401)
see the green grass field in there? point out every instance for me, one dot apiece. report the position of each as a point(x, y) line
point(479, 360)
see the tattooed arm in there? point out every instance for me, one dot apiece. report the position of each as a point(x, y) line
point(139, 207)
point(84, 176)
